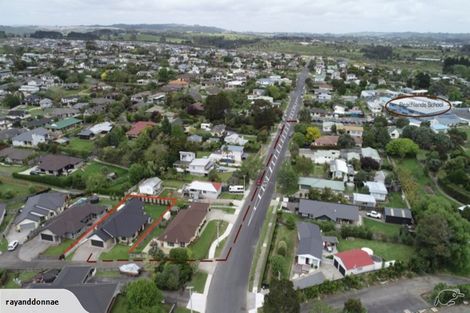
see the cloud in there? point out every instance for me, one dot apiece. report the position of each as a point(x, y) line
point(255, 15)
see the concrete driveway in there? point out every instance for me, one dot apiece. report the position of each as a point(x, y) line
point(15, 235)
point(31, 249)
point(83, 252)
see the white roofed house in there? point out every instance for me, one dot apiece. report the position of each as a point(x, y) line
point(201, 166)
point(325, 156)
point(228, 154)
point(31, 138)
point(186, 157)
point(371, 153)
point(235, 139)
point(364, 200)
point(339, 169)
point(377, 190)
point(203, 190)
point(150, 186)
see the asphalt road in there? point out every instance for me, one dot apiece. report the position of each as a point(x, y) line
point(229, 285)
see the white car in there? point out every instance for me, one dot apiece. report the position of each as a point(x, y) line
point(374, 214)
point(13, 245)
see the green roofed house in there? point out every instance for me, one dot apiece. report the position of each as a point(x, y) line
point(64, 124)
point(305, 183)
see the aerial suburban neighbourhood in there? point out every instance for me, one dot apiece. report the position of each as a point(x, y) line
point(175, 168)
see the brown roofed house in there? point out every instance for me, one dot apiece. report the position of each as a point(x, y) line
point(185, 227)
point(14, 155)
point(58, 164)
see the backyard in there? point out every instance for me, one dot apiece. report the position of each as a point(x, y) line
point(388, 251)
point(386, 229)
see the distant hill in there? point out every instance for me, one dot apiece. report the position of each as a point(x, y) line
point(168, 28)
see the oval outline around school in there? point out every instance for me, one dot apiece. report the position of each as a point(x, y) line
point(386, 108)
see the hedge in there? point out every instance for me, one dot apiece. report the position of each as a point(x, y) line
point(454, 190)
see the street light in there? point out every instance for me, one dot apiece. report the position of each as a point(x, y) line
point(190, 288)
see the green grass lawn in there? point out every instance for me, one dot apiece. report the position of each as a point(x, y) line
point(202, 154)
point(59, 249)
point(119, 251)
point(231, 196)
point(24, 276)
point(3, 245)
point(120, 305)
point(198, 281)
point(228, 210)
point(318, 171)
point(388, 251)
point(107, 274)
point(173, 183)
point(10, 169)
point(154, 211)
point(389, 230)
point(200, 248)
point(394, 200)
point(79, 146)
point(220, 248)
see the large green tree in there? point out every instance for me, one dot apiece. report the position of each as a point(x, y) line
point(288, 180)
point(143, 293)
point(281, 298)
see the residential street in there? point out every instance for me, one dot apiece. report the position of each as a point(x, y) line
point(229, 286)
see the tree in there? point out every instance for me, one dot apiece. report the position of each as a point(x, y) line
point(353, 306)
point(11, 101)
point(345, 141)
point(422, 80)
point(164, 75)
point(281, 298)
point(369, 164)
point(136, 173)
point(288, 180)
point(402, 122)
point(179, 255)
point(294, 150)
point(95, 182)
point(313, 133)
point(264, 115)
point(304, 116)
point(402, 147)
point(282, 248)
point(290, 222)
point(143, 293)
point(299, 139)
point(217, 106)
point(303, 165)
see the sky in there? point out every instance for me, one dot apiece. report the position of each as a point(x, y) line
point(313, 16)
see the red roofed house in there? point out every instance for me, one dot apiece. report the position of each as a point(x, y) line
point(138, 127)
point(356, 261)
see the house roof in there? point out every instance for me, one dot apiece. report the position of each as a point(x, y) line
point(138, 127)
point(73, 219)
point(55, 162)
point(361, 197)
point(333, 211)
point(16, 154)
point(326, 141)
point(310, 240)
point(355, 258)
point(376, 187)
point(44, 202)
point(64, 123)
point(8, 134)
point(28, 136)
point(185, 224)
point(320, 183)
point(151, 182)
point(370, 153)
point(127, 221)
point(94, 297)
point(404, 213)
point(207, 186)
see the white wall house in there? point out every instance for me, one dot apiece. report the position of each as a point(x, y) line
point(151, 186)
point(325, 156)
point(203, 190)
point(377, 190)
point(31, 138)
point(201, 166)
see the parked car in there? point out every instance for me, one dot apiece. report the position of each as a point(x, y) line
point(13, 245)
point(374, 214)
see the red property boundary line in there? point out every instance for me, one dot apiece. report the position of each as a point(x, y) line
point(113, 210)
point(172, 202)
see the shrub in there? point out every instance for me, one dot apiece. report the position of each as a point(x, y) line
point(282, 248)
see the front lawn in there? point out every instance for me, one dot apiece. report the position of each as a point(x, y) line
point(200, 248)
point(154, 210)
point(388, 251)
point(119, 251)
point(228, 210)
point(24, 277)
point(231, 196)
point(199, 281)
point(386, 229)
point(59, 249)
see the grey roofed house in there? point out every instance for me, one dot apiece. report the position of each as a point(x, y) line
point(74, 219)
point(310, 240)
point(28, 135)
point(57, 162)
point(94, 297)
point(41, 204)
point(39, 122)
point(8, 134)
point(125, 222)
point(327, 210)
point(195, 138)
point(64, 112)
point(15, 155)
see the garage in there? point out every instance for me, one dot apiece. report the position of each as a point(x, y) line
point(47, 237)
point(97, 243)
point(27, 226)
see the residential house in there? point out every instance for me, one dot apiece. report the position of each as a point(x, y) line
point(121, 227)
point(377, 190)
point(31, 138)
point(310, 247)
point(324, 156)
point(201, 166)
point(194, 139)
point(186, 158)
point(13, 155)
point(38, 209)
point(61, 113)
point(138, 128)
point(8, 134)
point(94, 297)
point(72, 222)
point(218, 130)
point(64, 124)
point(306, 183)
point(58, 164)
point(371, 153)
point(235, 139)
point(356, 261)
point(340, 170)
point(185, 227)
point(394, 132)
point(150, 186)
point(326, 141)
point(328, 211)
point(327, 126)
point(364, 200)
point(228, 154)
point(203, 190)
point(45, 103)
point(352, 130)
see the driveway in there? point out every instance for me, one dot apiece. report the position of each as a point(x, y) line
point(393, 297)
point(31, 249)
point(15, 235)
point(83, 252)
